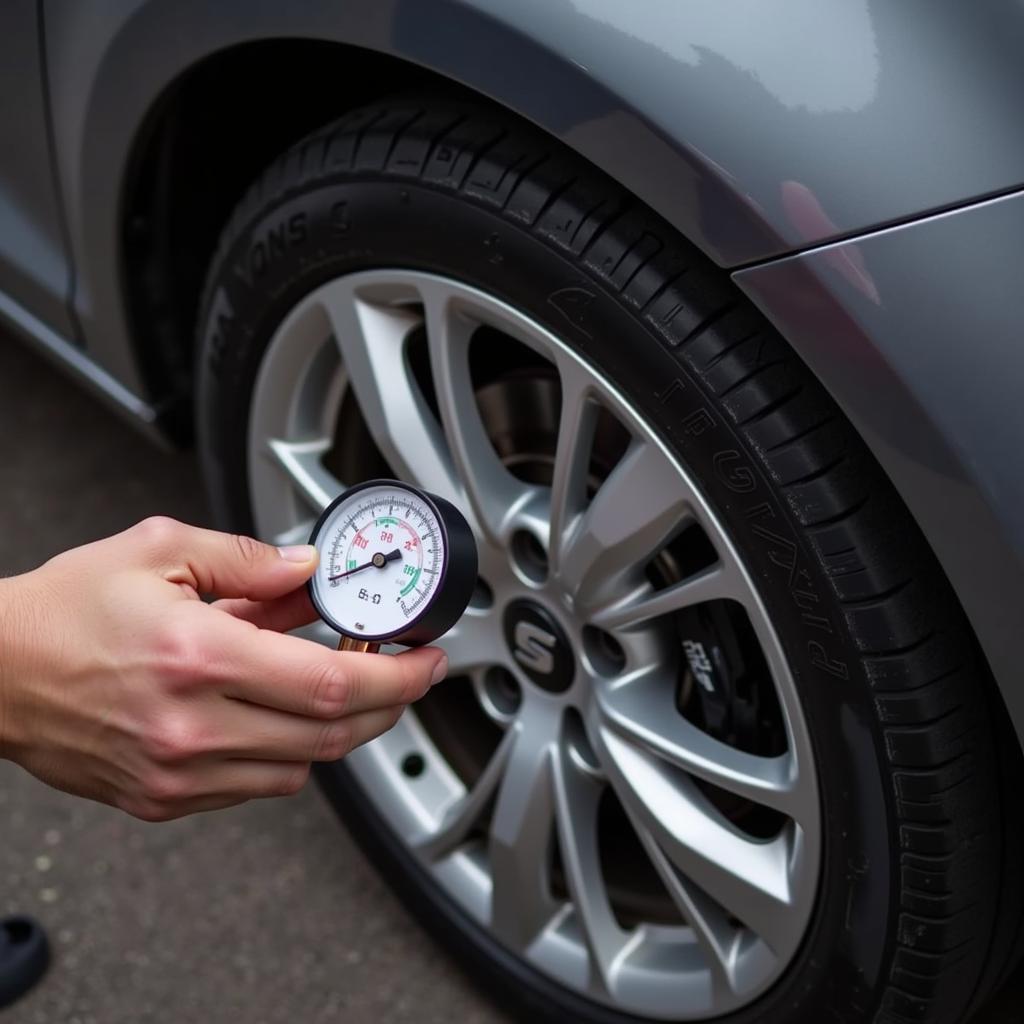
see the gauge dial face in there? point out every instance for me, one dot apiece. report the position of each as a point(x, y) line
point(382, 558)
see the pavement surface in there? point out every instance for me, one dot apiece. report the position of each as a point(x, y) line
point(265, 913)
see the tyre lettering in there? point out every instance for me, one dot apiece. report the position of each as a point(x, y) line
point(737, 473)
point(273, 244)
point(339, 218)
point(784, 553)
point(493, 242)
point(673, 389)
point(220, 319)
point(573, 303)
point(739, 479)
point(821, 659)
point(697, 423)
point(297, 229)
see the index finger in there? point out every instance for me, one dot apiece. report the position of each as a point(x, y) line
point(280, 614)
point(289, 673)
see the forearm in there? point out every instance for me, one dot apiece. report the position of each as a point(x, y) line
point(8, 660)
point(25, 641)
point(118, 683)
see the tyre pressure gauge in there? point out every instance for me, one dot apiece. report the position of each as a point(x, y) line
point(397, 565)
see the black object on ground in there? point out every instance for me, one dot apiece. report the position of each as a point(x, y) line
point(24, 957)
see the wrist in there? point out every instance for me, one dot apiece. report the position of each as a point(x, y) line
point(14, 646)
point(7, 669)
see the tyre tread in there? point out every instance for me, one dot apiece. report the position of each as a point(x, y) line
point(936, 729)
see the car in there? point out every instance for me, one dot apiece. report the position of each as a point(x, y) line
point(708, 317)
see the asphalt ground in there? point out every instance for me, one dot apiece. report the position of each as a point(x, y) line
point(264, 913)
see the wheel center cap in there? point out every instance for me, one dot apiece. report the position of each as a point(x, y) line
point(539, 645)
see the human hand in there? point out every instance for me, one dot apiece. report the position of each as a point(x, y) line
point(119, 684)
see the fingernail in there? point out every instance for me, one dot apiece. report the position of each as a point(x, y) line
point(440, 671)
point(298, 553)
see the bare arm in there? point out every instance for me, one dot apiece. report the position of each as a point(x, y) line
point(119, 684)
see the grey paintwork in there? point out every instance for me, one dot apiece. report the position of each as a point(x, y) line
point(756, 128)
point(753, 127)
point(33, 263)
point(918, 333)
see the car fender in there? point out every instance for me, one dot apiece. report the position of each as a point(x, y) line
point(916, 331)
point(754, 128)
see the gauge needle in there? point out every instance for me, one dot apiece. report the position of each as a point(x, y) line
point(378, 561)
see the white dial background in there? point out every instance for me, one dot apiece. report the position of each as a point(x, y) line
point(377, 602)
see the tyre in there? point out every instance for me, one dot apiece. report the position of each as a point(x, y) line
point(716, 741)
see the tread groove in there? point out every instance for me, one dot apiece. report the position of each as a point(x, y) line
point(479, 155)
point(719, 356)
point(777, 449)
point(602, 228)
point(556, 194)
point(530, 167)
point(875, 599)
point(397, 137)
point(643, 263)
point(773, 406)
point(435, 141)
point(662, 288)
point(755, 372)
point(933, 738)
point(707, 323)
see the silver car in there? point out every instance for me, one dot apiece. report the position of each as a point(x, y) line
point(709, 316)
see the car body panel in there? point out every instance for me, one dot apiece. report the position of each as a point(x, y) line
point(33, 262)
point(918, 332)
point(755, 128)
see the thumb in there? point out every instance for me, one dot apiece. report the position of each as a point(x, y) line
point(233, 565)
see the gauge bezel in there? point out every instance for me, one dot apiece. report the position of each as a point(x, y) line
point(451, 593)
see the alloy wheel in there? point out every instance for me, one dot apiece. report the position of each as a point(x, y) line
point(579, 787)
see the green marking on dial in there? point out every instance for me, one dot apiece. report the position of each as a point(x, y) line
point(351, 564)
point(411, 583)
point(385, 520)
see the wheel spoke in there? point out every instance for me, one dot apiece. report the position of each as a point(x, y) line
point(301, 462)
point(577, 422)
point(492, 492)
point(644, 713)
point(521, 901)
point(577, 798)
point(298, 534)
point(711, 584)
point(372, 338)
point(471, 643)
point(460, 816)
point(749, 878)
point(741, 902)
point(636, 509)
point(710, 924)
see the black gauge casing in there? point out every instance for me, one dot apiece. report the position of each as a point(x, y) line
point(458, 572)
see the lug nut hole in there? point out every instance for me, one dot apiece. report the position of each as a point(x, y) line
point(579, 743)
point(502, 690)
point(603, 651)
point(529, 556)
point(483, 596)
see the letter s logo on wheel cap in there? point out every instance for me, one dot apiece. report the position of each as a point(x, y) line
point(534, 647)
point(539, 646)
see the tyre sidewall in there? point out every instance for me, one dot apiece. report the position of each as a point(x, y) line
point(330, 229)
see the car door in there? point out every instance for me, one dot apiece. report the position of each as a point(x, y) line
point(34, 270)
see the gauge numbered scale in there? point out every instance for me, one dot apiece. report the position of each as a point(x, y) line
point(397, 565)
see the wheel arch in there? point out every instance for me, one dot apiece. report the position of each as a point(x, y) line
point(747, 150)
point(121, 74)
point(185, 174)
